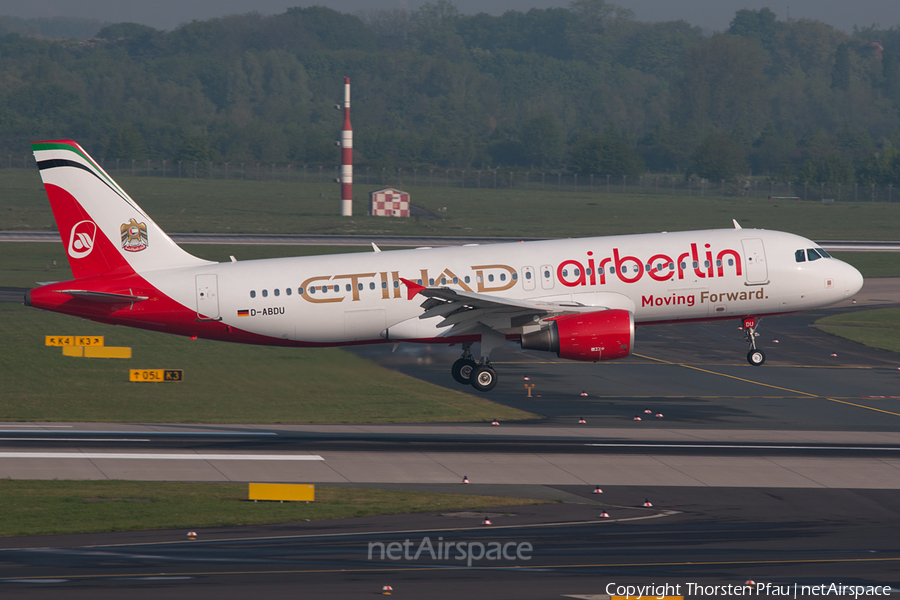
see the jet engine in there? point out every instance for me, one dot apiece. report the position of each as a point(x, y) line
point(601, 335)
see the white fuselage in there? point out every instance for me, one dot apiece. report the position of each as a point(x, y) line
point(663, 277)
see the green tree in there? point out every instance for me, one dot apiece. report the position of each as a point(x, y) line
point(718, 157)
point(840, 72)
point(543, 141)
point(126, 142)
point(605, 154)
point(760, 25)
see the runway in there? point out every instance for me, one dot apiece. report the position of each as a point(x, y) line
point(782, 474)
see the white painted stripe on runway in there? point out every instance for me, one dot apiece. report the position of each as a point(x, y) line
point(748, 447)
point(56, 439)
point(139, 456)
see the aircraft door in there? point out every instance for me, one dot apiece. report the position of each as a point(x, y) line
point(208, 298)
point(547, 277)
point(528, 278)
point(755, 262)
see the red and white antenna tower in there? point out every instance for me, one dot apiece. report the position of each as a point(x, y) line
point(346, 145)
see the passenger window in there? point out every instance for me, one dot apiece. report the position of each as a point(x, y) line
point(396, 284)
point(730, 262)
point(372, 285)
point(359, 286)
point(337, 288)
point(384, 285)
point(671, 266)
point(431, 281)
point(300, 291)
point(706, 263)
point(455, 280)
point(347, 287)
point(565, 272)
point(696, 264)
point(324, 289)
point(515, 276)
point(443, 281)
point(287, 291)
point(253, 293)
point(277, 292)
point(683, 265)
point(265, 293)
point(467, 280)
point(502, 276)
point(636, 269)
point(312, 290)
point(478, 279)
point(719, 262)
point(546, 274)
point(800, 256)
point(577, 272)
point(419, 281)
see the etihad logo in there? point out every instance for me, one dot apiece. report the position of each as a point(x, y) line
point(134, 236)
point(81, 239)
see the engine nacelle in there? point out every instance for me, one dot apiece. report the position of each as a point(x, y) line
point(601, 335)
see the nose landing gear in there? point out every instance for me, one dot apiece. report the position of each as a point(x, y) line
point(755, 356)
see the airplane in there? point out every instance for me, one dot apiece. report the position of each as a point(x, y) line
point(578, 298)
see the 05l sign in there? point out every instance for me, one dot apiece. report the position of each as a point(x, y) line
point(156, 375)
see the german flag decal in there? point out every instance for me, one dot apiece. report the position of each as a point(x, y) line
point(243, 313)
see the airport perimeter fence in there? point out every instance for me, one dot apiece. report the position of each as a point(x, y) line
point(498, 178)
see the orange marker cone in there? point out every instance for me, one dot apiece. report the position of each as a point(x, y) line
point(597, 490)
point(465, 479)
point(486, 521)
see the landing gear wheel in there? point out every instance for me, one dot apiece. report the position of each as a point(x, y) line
point(756, 357)
point(483, 378)
point(462, 370)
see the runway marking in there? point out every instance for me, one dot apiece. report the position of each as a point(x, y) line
point(55, 439)
point(657, 515)
point(769, 385)
point(749, 447)
point(530, 567)
point(139, 456)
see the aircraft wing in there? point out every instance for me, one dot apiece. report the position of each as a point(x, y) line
point(464, 311)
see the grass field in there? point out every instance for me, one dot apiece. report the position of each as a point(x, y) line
point(878, 328)
point(45, 507)
point(234, 206)
point(223, 383)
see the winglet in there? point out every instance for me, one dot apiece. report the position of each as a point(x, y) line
point(375, 248)
point(412, 288)
point(736, 225)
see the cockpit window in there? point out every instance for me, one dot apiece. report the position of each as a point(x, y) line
point(823, 253)
point(812, 254)
point(800, 256)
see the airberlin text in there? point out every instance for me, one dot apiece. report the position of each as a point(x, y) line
point(675, 299)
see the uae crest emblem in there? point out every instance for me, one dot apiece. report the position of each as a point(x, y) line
point(134, 236)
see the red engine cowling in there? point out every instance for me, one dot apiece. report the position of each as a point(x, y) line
point(601, 335)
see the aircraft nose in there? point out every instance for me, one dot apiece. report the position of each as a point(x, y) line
point(853, 281)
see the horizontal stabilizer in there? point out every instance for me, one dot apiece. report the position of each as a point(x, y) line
point(105, 297)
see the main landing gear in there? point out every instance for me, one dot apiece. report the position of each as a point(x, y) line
point(480, 376)
point(755, 356)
